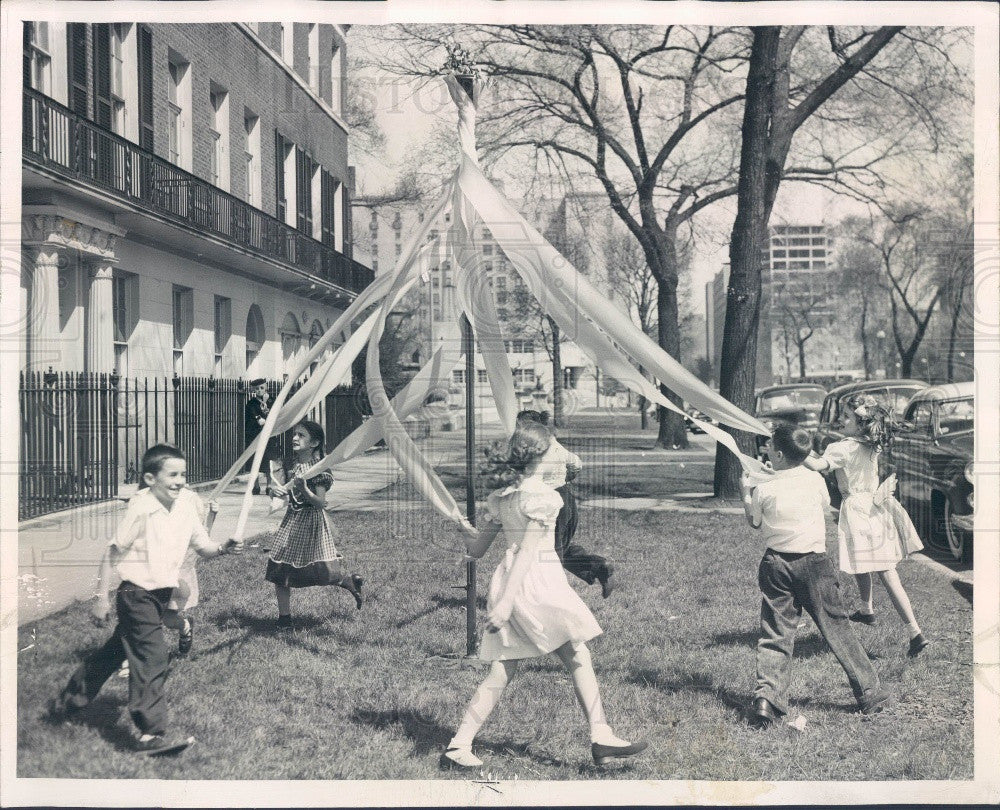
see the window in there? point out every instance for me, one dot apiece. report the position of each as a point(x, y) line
point(336, 78)
point(119, 111)
point(501, 282)
point(183, 319)
point(524, 376)
point(179, 112)
point(251, 156)
point(481, 375)
point(223, 331)
point(488, 250)
point(254, 335)
point(39, 73)
point(375, 265)
point(288, 43)
point(458, 375)
point(124, 314)
point(921, 417)
point(218, 136)
point(313, 64)
point(303, 192)
point(778, 254)
point(291, 338)
point(519, 346)
point(284, 178)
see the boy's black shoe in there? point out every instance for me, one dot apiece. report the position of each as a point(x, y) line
point(862, 618)
point(764, 713)
point(57, 710)
point(606, 578)
point(186, 638)
point(917, 645)
point(160, 744)
point(285, 625)
point(874, 704)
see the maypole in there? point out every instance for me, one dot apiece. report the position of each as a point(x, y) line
point(467, 83)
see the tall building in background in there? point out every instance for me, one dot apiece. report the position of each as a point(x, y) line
point(186, 199)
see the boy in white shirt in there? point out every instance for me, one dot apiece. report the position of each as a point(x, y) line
point(147, 552)
point(795, 574)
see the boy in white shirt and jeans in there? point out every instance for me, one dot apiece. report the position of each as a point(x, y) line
point(795, 574)
point(146, 552)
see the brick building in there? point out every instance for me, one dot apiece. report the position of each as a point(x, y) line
point(186, 199)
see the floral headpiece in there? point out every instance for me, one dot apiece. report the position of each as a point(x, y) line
point(460, 62)
point(865, 406)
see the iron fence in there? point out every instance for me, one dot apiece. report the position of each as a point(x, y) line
point(83, 435)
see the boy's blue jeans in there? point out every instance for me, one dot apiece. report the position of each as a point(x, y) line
point(790, 583)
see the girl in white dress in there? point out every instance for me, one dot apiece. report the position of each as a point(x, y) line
point(531, 608)
point(874, 532)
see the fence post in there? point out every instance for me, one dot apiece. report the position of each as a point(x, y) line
point(212, 465)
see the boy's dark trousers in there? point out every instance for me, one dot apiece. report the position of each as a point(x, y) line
point(575, 559)
point(138, 637)
point(789, 583)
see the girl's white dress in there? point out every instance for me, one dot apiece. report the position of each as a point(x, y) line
point(547, 611)
point(874, 532)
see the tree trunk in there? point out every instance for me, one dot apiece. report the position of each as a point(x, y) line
point(557, 380)
point(802, 358)
point(865, 354)
point(673, 430)
point(956, 313)
point(739, 339)
point(643, 405)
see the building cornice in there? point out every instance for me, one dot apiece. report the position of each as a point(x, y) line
point(288, 69)
point(53, 225)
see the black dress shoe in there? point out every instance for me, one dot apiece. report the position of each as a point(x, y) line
point(917, 645)
point(873, 704)
point(764, 713)
point(862, 618)
point(606, 578)
point(162, 744)
point(602, 754)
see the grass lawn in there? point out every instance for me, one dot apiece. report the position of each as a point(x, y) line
point(372, 694)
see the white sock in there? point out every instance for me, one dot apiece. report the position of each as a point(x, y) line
point(914, 629)
point(602, 734)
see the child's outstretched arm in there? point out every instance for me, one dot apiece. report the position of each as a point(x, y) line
point(102, 607)
point(816, 463)
point(477, 544)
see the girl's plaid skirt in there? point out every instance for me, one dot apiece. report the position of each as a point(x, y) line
point(304, 537)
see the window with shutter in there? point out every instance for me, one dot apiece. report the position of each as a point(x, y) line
point(303, 191)
point(76, 43)
point(145, 47)
point(328, 227)
point(279, 176)
point(102, 75)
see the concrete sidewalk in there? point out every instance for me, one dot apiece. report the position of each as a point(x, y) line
point(58, 554)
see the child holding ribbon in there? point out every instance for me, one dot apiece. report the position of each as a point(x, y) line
point(873, 530)
point(532, 610)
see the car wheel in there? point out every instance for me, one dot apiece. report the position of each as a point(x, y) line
point(959, 540)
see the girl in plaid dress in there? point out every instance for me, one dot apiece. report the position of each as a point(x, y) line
point(303, 552)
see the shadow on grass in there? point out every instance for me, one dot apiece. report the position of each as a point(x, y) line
point(439, 602)
point(964, 589)
point(808, 644)
point(740, 702)
point(260, 627)
point(102, 715)
point(429, 736)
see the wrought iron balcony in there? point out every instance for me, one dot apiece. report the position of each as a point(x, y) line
point(61, 141)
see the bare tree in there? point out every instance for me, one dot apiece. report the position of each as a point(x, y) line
point(799, 313)
point(791, 80)
point(629, 272)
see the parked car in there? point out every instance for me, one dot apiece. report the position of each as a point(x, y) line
point(895, 394)
point(932, 460)
point(798, 403)
point(697, 416)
